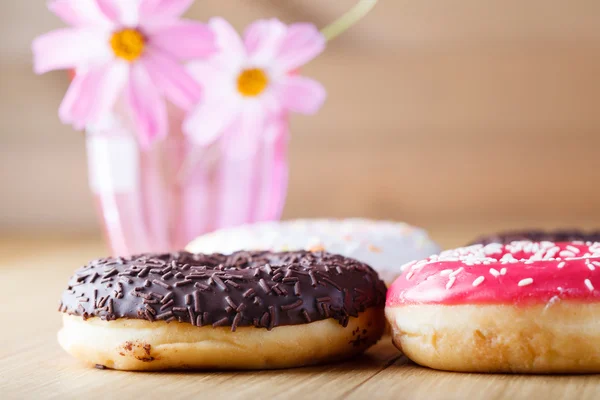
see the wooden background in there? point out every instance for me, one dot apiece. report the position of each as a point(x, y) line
point(441, 113)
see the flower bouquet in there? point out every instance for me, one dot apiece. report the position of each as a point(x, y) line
point(186, 123)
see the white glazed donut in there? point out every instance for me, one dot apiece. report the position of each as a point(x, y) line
point(383, 245)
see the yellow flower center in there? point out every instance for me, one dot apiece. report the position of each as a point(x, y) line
point(128, 44)
point(252, 82)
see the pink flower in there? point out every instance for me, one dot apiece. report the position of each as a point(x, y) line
point(251, 82)
point(132, 47)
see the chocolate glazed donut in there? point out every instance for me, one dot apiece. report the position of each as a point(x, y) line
point(538, 235)
point(144, 312)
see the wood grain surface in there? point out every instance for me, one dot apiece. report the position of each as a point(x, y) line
point(32, 366)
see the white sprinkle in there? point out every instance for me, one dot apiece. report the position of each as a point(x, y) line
point(494, 272)
point(450, 282)
point(553, 300)
point(529, 262)
point(573, 249)
point(566, 253)
point(590, 266)
point(589, 285)
point(525, 282)
point(503, 271)
point(508, 257)
point(418, 265)
point(596, 263)
point(458, 271)
point(561, 264)
point(446, 272)
point(408, 264)
point(409, 275)
point(478, 281)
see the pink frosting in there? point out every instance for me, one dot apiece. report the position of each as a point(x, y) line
point(517, 273)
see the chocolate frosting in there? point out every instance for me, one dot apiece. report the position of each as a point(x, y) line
point(258, 288)
point(537, 235)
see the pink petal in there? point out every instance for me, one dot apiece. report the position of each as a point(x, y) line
point(148, 108)
point(231, 49)
point(263, 39)
point(301, 94)
point(109, 9)
point(123, 13)
point(208, 121)
point(79, 12)
point(92, 94)
point(172, 79)
point(183, 40)
point(68, 48)
point(161, 9)
point(303, 42)
point(212, 79)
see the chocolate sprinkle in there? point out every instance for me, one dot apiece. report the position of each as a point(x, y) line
point(248, 289)
point(149, 316)
point(150, 309)
point(167, 297)
point(191, 315)
point(230, 302)
point(236, 321)
point(296, 304)
point(220, 283)
point(164, 315)
point(221, 322)
point(263, 285)
point(271, 317)
point(264, 320)
point(306, 316)
point(313, 279)
point(197, 301)
point(167, 305)
point(277, 277)
point(161, 283)
point(232, 284)
point(201, 286)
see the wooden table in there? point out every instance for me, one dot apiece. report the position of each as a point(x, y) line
point(32, 365)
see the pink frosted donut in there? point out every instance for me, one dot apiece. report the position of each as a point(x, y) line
point(530, 307)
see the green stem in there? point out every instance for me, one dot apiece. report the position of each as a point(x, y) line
point(352, 16)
